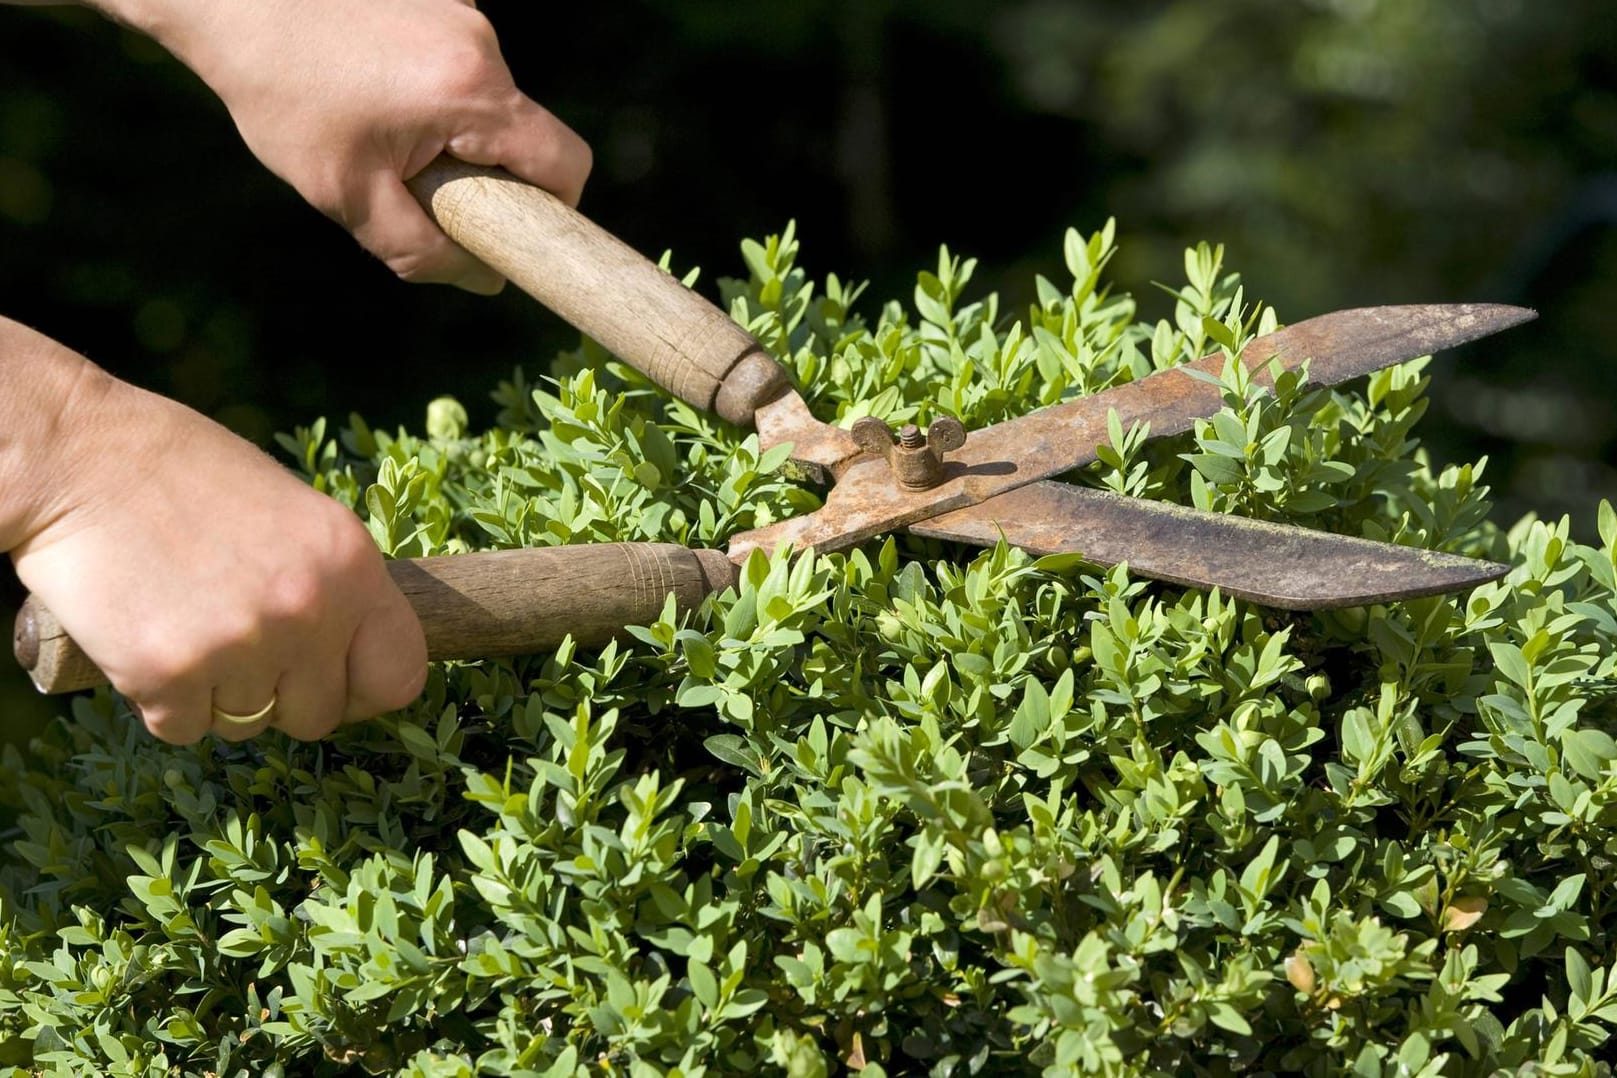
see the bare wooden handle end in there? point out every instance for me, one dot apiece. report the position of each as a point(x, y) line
point(51, 657)
point(472, 606)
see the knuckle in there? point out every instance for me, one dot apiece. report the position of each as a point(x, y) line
point(431, 265)
point(406, 265)
point(340, 553)
point(468, 65)
point(296, 594)
point(230, 628)
point(577, 160)
point(156, 672)
point(412, 268)
point(172, 727)
point(328, 187)
point(352, 548)
point(569, 160)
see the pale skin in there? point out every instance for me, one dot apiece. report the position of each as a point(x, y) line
point(197, 573)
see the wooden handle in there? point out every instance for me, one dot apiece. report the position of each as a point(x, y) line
point(472, 606)
point(603, 287)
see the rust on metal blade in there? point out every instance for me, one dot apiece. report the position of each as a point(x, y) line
point(820, 452)
point(1337, 347)
point(1346, 344)
point(1274, 564)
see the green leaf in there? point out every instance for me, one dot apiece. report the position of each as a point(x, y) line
point(417, 741)
point(1258, 875)
point(1589, 751)
point(704, 986)
point(699, 656)
point(734, 750)
point(241, 943)
point(1511, 663)
point(1227, 1017)
point(1578, 977)
point(1566, 892)
point(1032, 718)
point(1401, 904)
point(928, 858)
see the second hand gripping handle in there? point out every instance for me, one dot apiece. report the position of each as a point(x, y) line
point(473, 606)
point(603, 287)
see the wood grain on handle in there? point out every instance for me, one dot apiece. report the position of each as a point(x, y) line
point(472, 606)
point(603, 287)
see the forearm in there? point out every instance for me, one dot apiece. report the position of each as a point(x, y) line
point(134, 12)
point(131, 12)
point(198, 32)
point(44, 389)
point(346, 100)
point(175, 24)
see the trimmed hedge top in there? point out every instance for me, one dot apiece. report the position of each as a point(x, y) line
point(919, 809)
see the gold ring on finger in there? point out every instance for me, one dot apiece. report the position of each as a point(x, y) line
point(221, 715)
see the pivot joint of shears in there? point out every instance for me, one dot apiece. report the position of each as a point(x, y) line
point(916, 457)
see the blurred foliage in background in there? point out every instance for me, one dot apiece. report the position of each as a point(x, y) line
point(1345, 151)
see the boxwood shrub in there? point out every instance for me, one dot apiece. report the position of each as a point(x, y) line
point(919, 809)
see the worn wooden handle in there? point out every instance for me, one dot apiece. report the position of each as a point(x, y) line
point(471, 606)
point(603, 287)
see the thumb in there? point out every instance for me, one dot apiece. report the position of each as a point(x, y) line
point(387, 659)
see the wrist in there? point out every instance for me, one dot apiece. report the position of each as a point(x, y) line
point(180, 26)
point(143, 15)
point(49, 398)
point(137, 14)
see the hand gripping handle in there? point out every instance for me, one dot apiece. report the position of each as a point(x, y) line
point(472, 606)
point(603, 287)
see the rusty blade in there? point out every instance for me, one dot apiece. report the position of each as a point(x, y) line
point(1275, 564)
point(1337, 347)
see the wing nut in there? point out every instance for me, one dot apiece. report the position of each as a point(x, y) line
point(916, 457)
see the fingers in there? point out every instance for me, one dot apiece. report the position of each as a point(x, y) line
point(380, 666)
point(182, 710)
point(244, 709)
point(387, 661)
point(391, 224)
point(179, 715)
point(211, 584)
point(382, 91)
point(242, 691)
point(533, 145)
point(312, 697)
point(294, 675)
point(384, 670)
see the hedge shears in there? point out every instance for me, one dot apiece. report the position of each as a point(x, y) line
point(981, 487)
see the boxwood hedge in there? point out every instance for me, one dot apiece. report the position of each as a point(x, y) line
point(918, 809)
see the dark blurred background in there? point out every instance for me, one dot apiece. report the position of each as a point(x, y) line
point(1345, 152)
